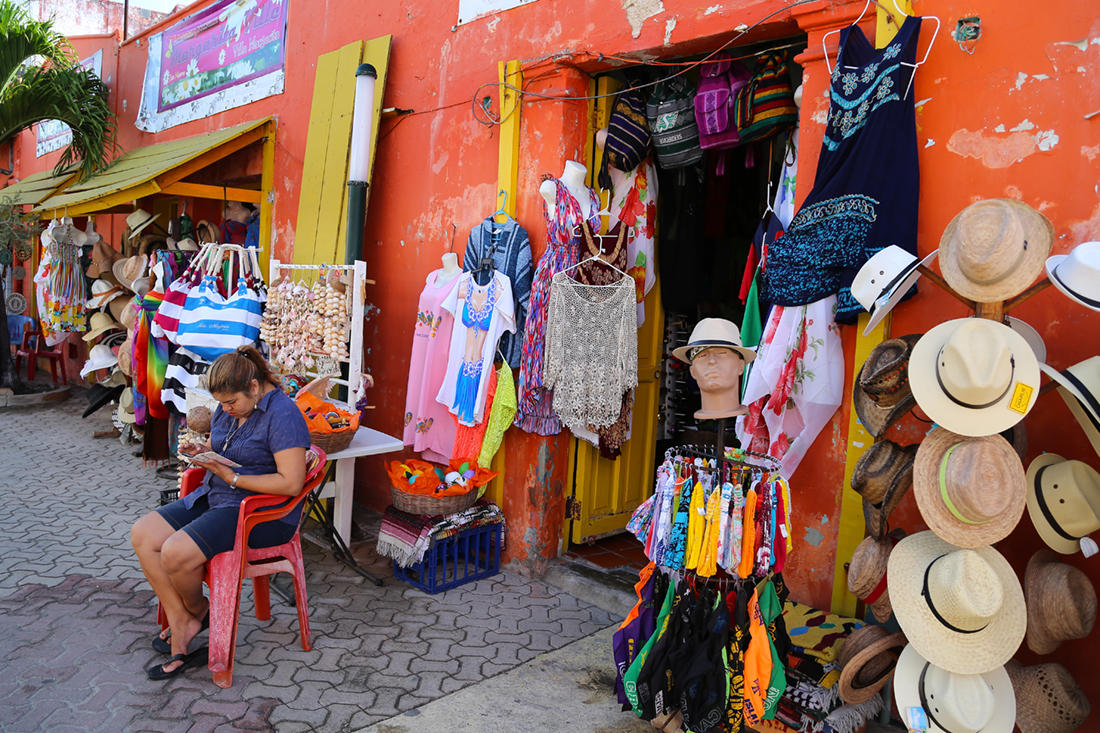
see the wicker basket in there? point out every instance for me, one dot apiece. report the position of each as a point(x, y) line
point(332, 442)
point(432, 505)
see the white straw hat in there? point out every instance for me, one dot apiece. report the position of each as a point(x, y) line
point(1080, 389)
point(1078, 274)
point(1063, 499)
point(952, 702)
point(103, 292)
point(974, 376)
point(99, 357)
point(961, 609)
point(884, 280)
point(137, 220)
point(713, 332)
point(1031, 335)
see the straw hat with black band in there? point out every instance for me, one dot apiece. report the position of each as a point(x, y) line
point(99, 324)
point(882, 476)
point(974, 376)
point(884, 280)
point(1077, 274)
point(1061, 602)
point(1080, 389)
point(866, 662)
point(138, 220)
point(711, 333)
point(1063, 499)
point(994, 249)
point(1048, 699)
point(882, 395)
point(953, 702)
point(962, 609)
point(970, 491)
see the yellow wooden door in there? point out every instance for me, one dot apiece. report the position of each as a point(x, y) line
point(607, 492)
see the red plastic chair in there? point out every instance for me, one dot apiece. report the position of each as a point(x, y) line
point(226, 571)
point(32, 347)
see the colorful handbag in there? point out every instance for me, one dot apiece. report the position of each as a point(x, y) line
point(766, 105)
point(212, 324)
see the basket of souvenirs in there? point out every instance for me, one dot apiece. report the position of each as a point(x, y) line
point(331, 428)
point(422, 488)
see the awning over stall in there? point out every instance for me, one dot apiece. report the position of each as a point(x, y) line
point(158, 169)
point(36, 187)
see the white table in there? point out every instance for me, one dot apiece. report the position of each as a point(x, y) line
point(367, 442)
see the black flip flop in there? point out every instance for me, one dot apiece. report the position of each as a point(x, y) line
point(164, 644)
point(194, 659)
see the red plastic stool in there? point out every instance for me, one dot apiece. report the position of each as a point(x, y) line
point(32, 351)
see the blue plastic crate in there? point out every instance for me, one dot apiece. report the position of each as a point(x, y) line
point(470, 555)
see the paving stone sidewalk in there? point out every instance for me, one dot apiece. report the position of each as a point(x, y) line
point(77, 617)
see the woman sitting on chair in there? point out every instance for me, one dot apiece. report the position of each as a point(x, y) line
point(257, 426)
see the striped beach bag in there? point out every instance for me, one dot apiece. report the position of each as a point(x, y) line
point(167, 319)
point(212, 324)
point(766, 105)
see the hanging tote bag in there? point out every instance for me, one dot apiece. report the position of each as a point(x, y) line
point(627, 136)
point(719, 82)
point(671, 115)
point(167, 319)
point(212, 324)
point(766, 105)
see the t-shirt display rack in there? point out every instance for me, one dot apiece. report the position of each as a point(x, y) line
point(355, 384)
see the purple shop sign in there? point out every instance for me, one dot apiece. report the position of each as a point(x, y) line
point(220, 47)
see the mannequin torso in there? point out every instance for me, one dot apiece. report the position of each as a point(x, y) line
point(573, 178)
point(450, 269)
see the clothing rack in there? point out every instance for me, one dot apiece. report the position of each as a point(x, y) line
point(354, 382)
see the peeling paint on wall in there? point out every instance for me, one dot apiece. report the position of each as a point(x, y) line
point(997, 150)
point(1046, 139)
point(639, 11)
point(670, 25)
point(1086, 230)
point(712, 9)
point(929, 143)
point(813, 536)
point(1025, 125)
point(1090, 151)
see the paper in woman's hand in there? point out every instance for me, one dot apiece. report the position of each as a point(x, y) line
point(212, 457)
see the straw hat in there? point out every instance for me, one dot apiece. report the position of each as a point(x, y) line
point(1063, 499)
point(142, 285)
point(103, 257)
point(137, 220)
point(1078, 274)
point(867, 661)
point(881, 395)
point(187, 244)
point(99, 323)
point(954, 702)
point(99, 357)
point(970, 491)
point(882, 476)
point(867, 573)
point(962, 609)
point(118, 307)
point(1080, 389)
point(103, 292)
point(712, 332)
point(993, 249)
point(127, 315)
point(1048, 699)
point(125, 360)
point(1032, 336)
point(1061, 602)
point(974, 376)
point(126, 406)
point(884, 280)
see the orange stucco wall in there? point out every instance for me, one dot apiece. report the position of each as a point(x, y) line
point(1008, 120)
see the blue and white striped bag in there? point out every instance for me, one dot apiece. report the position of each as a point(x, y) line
point(212, 324)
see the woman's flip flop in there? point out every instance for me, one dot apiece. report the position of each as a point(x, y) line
point(163, 644)
point(194, 659)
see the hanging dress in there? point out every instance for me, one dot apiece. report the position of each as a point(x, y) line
point(534, 411)
point(864, 196)
point(429, 428)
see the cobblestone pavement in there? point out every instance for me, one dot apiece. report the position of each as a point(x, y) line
point(77, 617)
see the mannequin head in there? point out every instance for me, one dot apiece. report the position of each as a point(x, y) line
point(238, 211)
point(717, 371)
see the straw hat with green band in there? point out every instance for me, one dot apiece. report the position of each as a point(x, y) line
point(971, 491)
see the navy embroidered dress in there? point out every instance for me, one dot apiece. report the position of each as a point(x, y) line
point(864, 196)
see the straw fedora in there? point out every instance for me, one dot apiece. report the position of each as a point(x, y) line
point(103, 257)
point(1061, 602)
point(99, 357)
point(142, 285)
point(867, 661)
point(118, 308)
point(881, 395)
point(125, 359)
point(884, 280)
point(970, 491)
point(100, 323)
point(1080, 389)
point(974, 376)
point(993, 249)
point(137, 220)
point(103, 292)
point(1032, 336)
point(713, 332)
point(127, 315)
point(1063, 499)
point(962, 609)
point(867, 573)
point(953, 702)
point(882, 476)
point(126, 406)
point(187, 244)
point(1077, 274)
point(1048, 699)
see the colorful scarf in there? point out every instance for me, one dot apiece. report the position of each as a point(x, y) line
point(150, 360)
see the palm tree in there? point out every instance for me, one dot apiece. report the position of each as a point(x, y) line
point(41, 79)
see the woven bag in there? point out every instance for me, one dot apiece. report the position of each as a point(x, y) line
point(671, 115)
point(766, 105)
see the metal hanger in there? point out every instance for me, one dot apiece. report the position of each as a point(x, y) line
point(891, 15)
point(600, 259)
